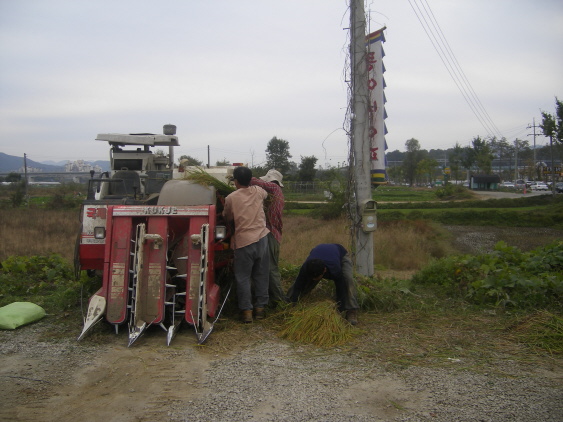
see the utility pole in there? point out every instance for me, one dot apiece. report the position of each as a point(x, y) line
point(360, 139)
point(552, 165)
point(25, 172)
point(534, 126)
point(516, 160)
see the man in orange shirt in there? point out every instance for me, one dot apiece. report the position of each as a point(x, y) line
point(245, 207)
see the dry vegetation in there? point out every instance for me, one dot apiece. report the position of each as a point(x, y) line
point(26, 232)
point(405, 246)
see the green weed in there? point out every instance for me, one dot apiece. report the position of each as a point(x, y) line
point(505, 277)
point(47, 281)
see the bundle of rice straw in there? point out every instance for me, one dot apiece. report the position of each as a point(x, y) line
point(318, 323)
point(198, 175)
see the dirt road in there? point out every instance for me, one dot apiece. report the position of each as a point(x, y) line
point(247, 373)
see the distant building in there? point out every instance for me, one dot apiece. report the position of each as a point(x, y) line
point(82, 166)
point(484, 181)
point(29, 170)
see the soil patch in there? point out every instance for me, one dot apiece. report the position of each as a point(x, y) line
point(482, 239)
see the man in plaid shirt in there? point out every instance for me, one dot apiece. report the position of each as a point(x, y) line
point(272, 183)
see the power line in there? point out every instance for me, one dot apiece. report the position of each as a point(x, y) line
point(462, 73)
point(445, 53)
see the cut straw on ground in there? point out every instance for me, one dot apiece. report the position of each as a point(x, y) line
point(319, 324)
point(542, 330)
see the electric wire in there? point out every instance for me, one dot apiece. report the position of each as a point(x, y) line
point(461, 72)
point(447, 65)
point(445, 53)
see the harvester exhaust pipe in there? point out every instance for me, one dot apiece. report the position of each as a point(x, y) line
point(170, 130)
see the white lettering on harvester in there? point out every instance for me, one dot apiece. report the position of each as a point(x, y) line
point(161, 210)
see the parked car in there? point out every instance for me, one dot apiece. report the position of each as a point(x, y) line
point(520, 184)
point(507, 185)
point(559, 187)
point(539, 186)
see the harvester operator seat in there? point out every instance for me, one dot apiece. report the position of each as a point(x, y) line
point(130, 184)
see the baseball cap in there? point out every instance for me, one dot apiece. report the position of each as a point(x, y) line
point(273, 175)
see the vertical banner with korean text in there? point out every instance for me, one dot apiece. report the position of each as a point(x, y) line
point(376, 111)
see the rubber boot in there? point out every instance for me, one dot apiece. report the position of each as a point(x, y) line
point(352, 316)
point(246, 316)
point(259, 313)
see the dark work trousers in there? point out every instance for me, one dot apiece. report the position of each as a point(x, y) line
point(251, 266)
point(345, 286)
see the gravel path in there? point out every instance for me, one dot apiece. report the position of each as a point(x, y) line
point(277, 382)
point(262, 378)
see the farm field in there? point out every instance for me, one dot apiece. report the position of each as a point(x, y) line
point(434, 359)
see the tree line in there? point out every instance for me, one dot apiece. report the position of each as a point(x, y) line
point(277, 157)
point(510, 160)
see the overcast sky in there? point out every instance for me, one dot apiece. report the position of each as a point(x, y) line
point(233, 74)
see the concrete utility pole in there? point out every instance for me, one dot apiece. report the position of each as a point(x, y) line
point(360, 140)
point(26, 181)
point(552, 166)
point(516, 161)
point(534, 126)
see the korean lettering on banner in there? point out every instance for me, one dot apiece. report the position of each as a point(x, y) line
point(376, 107)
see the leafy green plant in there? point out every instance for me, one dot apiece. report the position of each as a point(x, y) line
point(18, 195)
point(60, 200)
point(44, 280)
point(382, 295)
point(450, 191)
point(335, 207)
point(505, 277)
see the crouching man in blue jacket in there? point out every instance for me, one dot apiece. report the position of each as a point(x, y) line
point(330, 261)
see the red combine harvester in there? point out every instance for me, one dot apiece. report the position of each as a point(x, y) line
point(156, 239)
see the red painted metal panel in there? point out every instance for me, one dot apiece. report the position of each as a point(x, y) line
point(91, 256)
point(91, 250)
point(116, 269)
point(152, 279)
point(213, 291)
point(193, 269)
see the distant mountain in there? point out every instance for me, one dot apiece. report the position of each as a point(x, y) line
point(10, 163)
point(55, 163)
point(103, 164)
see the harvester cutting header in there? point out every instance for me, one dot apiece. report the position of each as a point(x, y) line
point(158, 240)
